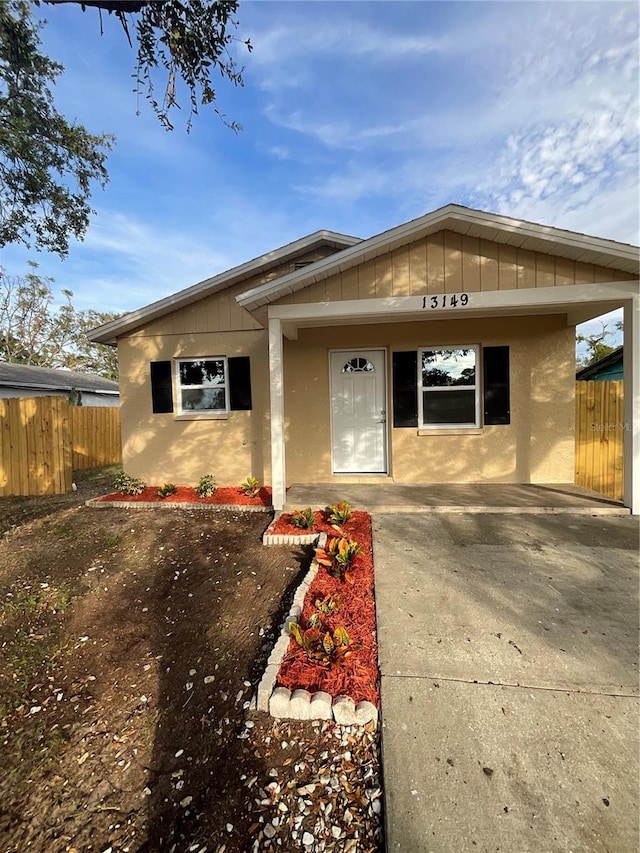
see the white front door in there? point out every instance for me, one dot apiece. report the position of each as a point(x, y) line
point(358, 412)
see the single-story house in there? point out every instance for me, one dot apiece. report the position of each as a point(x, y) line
point(440, 351)
point(25, 380)
point(608, 367)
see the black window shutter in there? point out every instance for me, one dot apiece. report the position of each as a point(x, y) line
point(405, 389)
point(496, 386)
point(161, 387)
point(239, 383)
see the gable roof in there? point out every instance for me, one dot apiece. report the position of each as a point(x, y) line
point(609, 360)
point(351, 251)
point(463, 220)
point(48, 379)
point(108, 332)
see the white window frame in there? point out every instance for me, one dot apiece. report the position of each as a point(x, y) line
point(444, 389)
point(201, 413)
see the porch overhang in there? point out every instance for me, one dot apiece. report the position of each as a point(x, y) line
point(577, 302)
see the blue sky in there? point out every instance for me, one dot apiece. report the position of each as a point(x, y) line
point(356, 117)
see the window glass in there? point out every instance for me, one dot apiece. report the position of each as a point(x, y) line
point(203, 385)
point(449, 388)
point(358, 365)
point(458, 407)
point(448, 367)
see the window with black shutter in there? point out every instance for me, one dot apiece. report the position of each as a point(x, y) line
point(405, 388)
point(161, 387)
point(496, 385)
point(210, 385)
point(239, 383)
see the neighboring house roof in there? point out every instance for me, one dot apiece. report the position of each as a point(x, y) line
point(108, 332)
point(352, 251)
point(602, 365)
point(47, 379)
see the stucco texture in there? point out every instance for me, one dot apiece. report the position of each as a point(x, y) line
point(164, 447)
point(536, 447)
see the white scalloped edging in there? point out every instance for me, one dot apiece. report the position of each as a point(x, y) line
point(95, 503)
point(282, 703)
point(287, 538)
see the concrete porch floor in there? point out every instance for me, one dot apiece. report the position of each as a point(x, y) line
point(455, 498)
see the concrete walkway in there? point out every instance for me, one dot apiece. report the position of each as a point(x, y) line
point(509, 661)
point(458, 498)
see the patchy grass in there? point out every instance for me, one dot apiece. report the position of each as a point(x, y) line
point(130, 646)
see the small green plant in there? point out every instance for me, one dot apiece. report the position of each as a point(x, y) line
point(128, 485)
point(327, 605)
point(250, 487)
point(206, 486)
point(166, 490)
point(339, 513)
point(338, 556)
point(321, 646)
point(303, 518)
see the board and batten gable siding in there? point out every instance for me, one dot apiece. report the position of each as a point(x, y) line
point(220, 312)
point(448, 262)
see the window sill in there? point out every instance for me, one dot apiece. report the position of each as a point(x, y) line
point(202, 416)
point(451, 431)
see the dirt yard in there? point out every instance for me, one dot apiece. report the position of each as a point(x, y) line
point(132, 642)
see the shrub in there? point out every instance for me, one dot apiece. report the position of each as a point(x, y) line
point(319, 645)
point(303, 518)
point(327, 605)
point(338, 556)
point(339, 513)
point(250, 487)
point(206, 486)
point(128, 485)
point(166, 490)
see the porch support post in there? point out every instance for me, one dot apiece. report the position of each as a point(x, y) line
point(631, 358)
point(276, 395)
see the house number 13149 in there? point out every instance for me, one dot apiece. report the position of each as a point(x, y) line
point(445, 300)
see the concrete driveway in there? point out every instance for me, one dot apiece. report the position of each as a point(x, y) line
point(509, 661)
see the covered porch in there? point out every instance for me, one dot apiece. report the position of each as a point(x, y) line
point(454, 498)
point(577, 303)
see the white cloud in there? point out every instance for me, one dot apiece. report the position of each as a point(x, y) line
point(300, 37)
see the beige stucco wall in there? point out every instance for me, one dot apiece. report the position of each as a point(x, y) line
point(447, 262)
point(163, 447)
point(536, 447)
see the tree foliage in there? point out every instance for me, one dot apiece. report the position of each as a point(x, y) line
point(596, 345)
point(47, 164)
point(188, 39)
point(32, 331)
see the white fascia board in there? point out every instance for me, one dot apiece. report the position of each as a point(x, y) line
point(108, 332)
point(493, 301)
point(476, 222)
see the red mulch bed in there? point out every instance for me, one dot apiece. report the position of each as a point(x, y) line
point(356, 676)
point(187, 494)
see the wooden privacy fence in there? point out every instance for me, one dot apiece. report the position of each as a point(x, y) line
point(44, 439)
point(600, 430)
point(95, 436)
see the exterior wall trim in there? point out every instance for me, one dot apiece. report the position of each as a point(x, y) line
point(631, 367)
point(276, 396)
point(480, 303)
